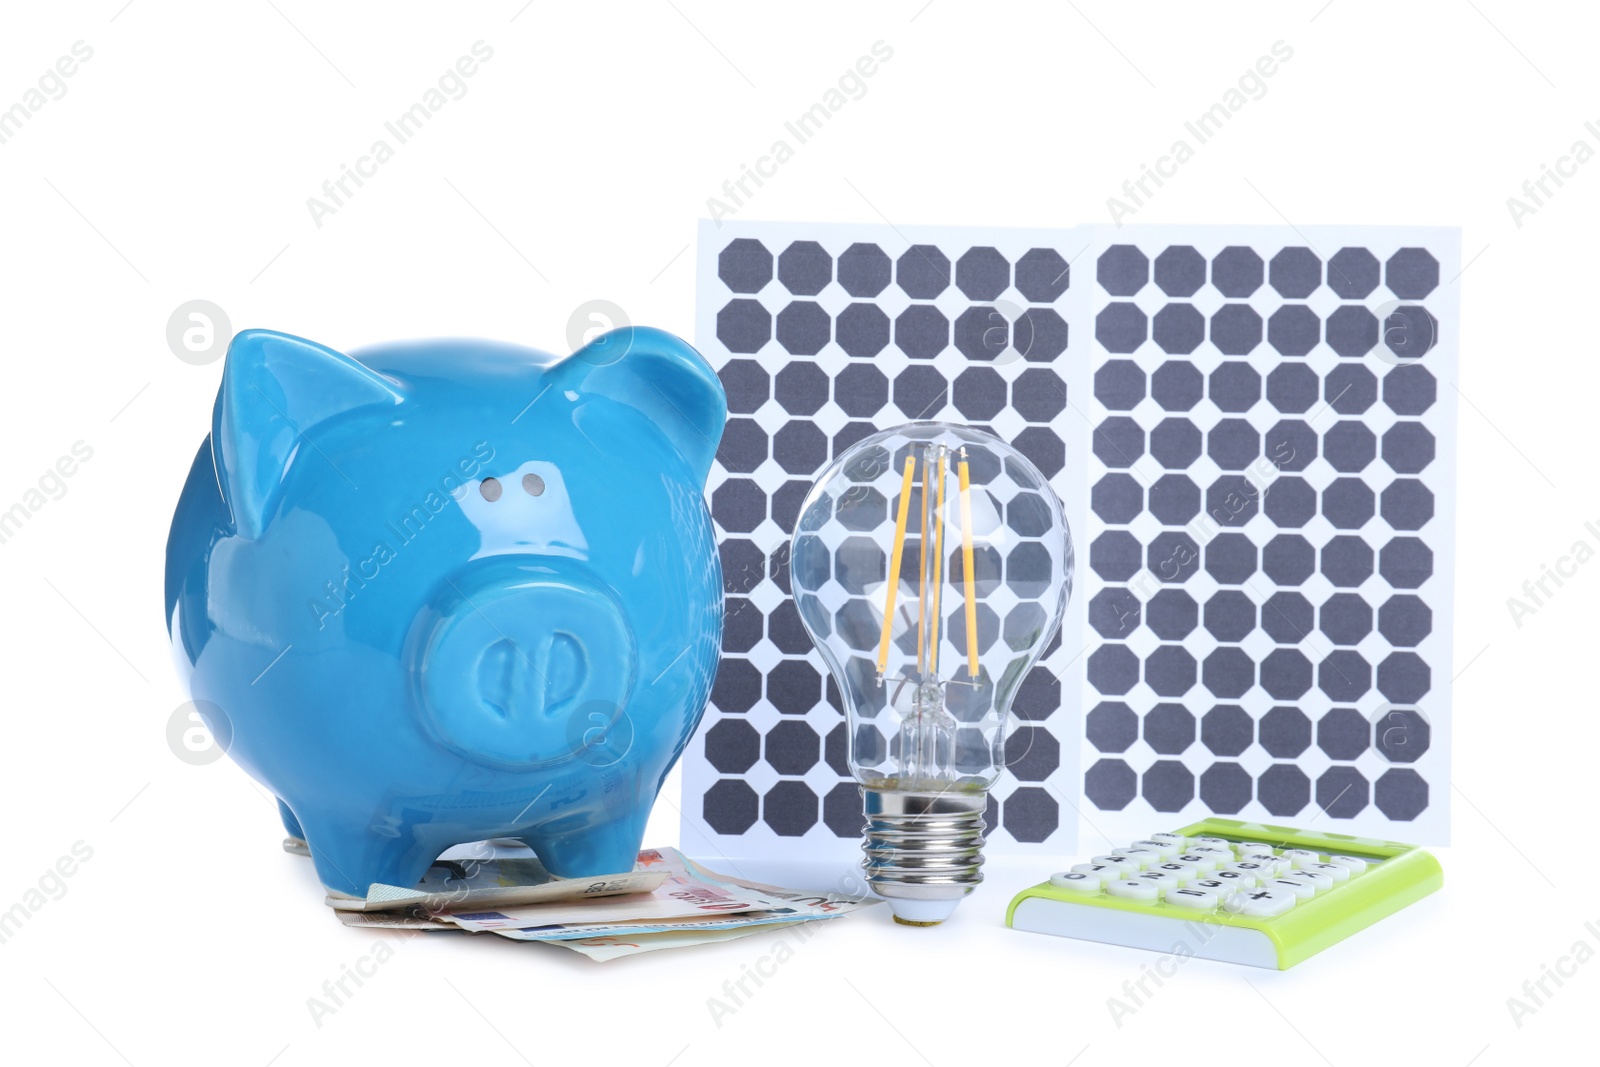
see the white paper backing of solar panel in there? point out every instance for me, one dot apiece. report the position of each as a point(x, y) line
point(765, 774)
point(1092, 752)
point(1345, 721)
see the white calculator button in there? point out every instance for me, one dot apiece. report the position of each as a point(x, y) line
point(1172, 839)
point(1200, 860)
point(1077, 881)
point(1134, 889)
point(1250, 867)
point(1183, 872)
point(1211, 842)
point(1103, 871)
point(1350, 863)
point(1316, 878)
point(1300, 887)
point(1221, 855)
point(1273, 864)
point(1163, 881)
point(1143, 856)
point(1166, 848)
point(1301, 857)
point(1244, 848)
point(1190, 897)
point(1265, 902)
point(1128, 865)
point(1337, 872)
point(1233, 877)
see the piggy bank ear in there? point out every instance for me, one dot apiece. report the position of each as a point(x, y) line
point(275, 388)
point(660, 376)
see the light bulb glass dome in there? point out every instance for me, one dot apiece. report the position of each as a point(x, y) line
point(931, 565)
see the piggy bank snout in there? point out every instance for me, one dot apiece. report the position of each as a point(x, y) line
point(521, 667)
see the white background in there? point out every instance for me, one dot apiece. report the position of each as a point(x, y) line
point(177, 167)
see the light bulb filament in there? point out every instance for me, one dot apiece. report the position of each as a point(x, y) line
point(894, 565)
point(938, 570)
point(930, 582)
point(922, 578)
point(966, 567)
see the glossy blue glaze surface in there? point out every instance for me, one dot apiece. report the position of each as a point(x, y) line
point(453, 590)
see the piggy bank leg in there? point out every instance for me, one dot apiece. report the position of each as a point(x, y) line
point(291, 825)
point(350, 858)
point(295, 842)
point(609, 848)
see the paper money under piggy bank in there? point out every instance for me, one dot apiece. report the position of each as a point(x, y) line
point(441, 592)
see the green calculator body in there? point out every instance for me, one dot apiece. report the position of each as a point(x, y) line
point(1241, 892)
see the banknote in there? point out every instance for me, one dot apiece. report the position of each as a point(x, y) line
point(667, 901)
point(809, 901)
point(404, 919)
point(784, 906)
point(618, 946)
point(682, 894)
point(582, 931)
point(496, 882)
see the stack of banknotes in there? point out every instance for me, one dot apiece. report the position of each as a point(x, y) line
point(666, 901)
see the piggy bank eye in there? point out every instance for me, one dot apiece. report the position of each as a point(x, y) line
point(490, 488)
point(533, 484)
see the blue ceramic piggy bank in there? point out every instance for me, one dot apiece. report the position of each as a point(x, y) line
point(441, 592)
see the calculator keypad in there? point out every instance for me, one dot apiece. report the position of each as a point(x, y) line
point(1208, 874)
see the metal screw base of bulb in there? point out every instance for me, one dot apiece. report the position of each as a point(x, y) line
point(924, 850)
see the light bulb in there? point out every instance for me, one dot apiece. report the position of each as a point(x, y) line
point(928, 648)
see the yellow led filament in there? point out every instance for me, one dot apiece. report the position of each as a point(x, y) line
point(928, 601)
point(966, 567)
point(922, 573)
point(894, 563)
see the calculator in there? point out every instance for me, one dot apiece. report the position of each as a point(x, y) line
point(1240, 892)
